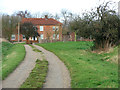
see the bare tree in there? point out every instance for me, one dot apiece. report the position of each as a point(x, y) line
point(49, 15)
point(56, 32)
point(36, 15)
point(9, 24)
point(24, 14)
point(57, 17)
point(67, 17)
point(48, 35)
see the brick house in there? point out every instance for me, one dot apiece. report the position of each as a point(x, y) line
point(48, 29)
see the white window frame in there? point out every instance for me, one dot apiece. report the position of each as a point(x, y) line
point(12, 37)
point(24, 38)
point(54, 28)
point(57, 36)
point(32, 38)
point(53, 36)
point(42, 36)
point(57, 28)
point(35, 38)
point(41, 28)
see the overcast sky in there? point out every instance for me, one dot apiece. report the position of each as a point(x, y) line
point(51, 6)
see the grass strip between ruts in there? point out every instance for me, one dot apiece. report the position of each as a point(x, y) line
point(37, 76)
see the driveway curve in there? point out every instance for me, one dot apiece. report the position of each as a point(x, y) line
point(20, 74)
point(58, 75)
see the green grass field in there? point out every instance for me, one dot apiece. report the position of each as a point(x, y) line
point(87, 69)
point(12, 54)
point(37, 76)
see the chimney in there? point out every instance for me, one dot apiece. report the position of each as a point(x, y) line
point(46, 17)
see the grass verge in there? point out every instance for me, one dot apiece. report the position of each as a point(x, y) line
point(87, 69)
point(37, 76)
point(12, 54)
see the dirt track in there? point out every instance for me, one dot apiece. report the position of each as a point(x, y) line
point(20, 74)
point(58, 75)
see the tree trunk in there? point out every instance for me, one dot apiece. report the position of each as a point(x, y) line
point(75, 36)
point(106, 45)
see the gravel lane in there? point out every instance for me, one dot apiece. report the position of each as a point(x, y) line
point(20, 74)
point(58, 75)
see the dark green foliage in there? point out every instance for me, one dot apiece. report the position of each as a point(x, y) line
point(101, 23)
point(82, 26)
point(28, 29)
point(105, 27)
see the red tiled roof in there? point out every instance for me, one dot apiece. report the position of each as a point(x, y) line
point(41, 21)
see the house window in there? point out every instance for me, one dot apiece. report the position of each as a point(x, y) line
point(53, 36)
point(35, 38)
point(53, 28)
point(41, 28)
point(24, 37)
point(13, 37)
point(57, 36)
point(41, 36)
point(57, 27)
